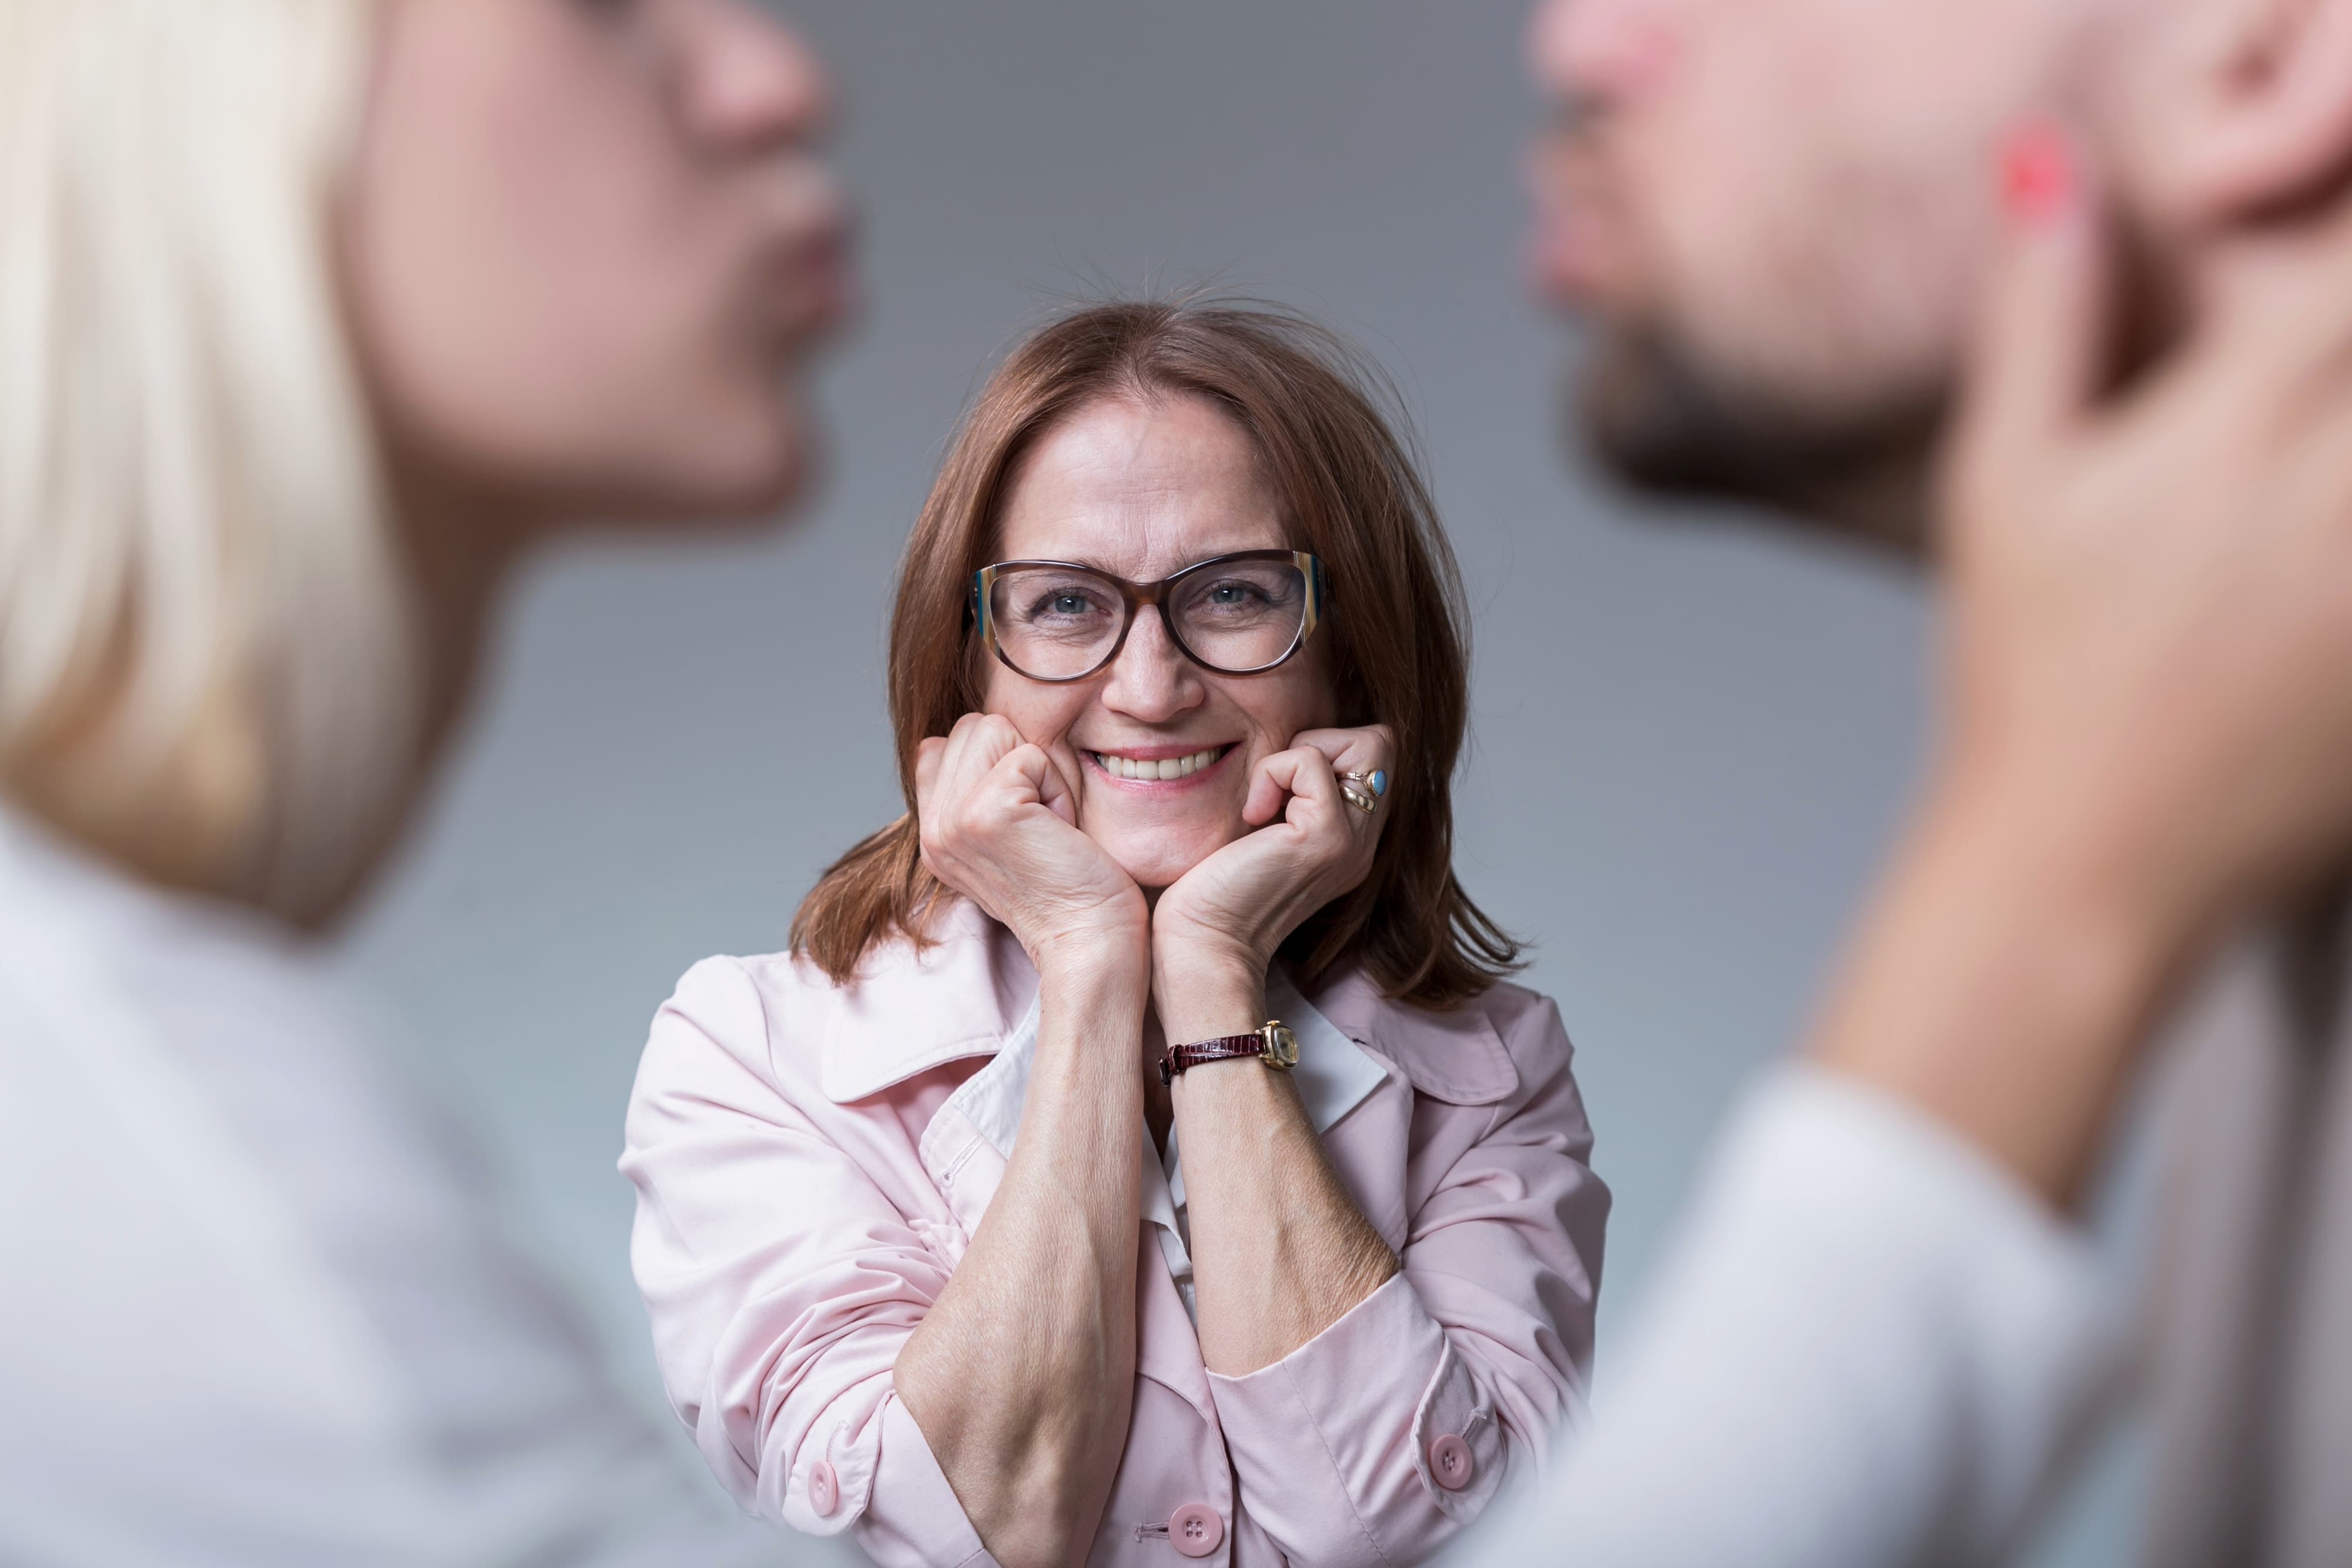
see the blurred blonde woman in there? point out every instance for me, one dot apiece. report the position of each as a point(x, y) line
point(314, 314)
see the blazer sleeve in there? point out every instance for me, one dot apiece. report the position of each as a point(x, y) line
point(1872, 1348)
point(780, 1282)
point(1379, 1440)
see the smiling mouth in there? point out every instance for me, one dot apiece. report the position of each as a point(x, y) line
point(1147, 771)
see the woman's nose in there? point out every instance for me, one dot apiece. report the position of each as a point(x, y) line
point(1152, 680)
point(751, 84)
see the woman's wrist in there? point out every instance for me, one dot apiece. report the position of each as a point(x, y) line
point(1108, 945)
point(1190, 1014)
point(1204, 990)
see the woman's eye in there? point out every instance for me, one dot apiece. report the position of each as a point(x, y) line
point(1235, 594)
point(1063, 605)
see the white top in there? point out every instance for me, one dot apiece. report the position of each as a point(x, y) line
point(1870, 1348)
point(1333, 1075)
point(254, 1311)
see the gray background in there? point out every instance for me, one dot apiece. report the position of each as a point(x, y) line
point(1690, 741)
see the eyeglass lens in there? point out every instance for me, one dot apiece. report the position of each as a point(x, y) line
point(1059, 623)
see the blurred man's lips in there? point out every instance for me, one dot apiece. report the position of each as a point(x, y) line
point(1576, 251)
point(1577, 258)
point(1560, 261)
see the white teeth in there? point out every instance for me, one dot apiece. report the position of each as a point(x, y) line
point(1173, 767)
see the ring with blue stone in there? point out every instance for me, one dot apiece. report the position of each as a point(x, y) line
point(1377, 782)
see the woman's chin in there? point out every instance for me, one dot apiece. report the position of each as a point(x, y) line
point(1157, 871)
point(1156, 878)
point(1156, 858)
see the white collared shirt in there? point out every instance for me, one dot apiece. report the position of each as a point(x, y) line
point(1334, 1074)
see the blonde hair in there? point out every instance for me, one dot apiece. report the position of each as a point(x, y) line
point(209, 652)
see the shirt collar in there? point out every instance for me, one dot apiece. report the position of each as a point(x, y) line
point(909, 1010)
point(973, 992)
point(1334, 1074)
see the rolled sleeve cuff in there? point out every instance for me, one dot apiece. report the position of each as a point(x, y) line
point(888, 1484)
point(1374, 1430)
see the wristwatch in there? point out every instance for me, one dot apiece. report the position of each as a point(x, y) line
point(1273, 1044)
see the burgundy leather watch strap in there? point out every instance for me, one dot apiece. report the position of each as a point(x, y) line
point(1224, 1048)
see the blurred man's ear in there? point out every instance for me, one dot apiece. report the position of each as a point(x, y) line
point(2247, 110)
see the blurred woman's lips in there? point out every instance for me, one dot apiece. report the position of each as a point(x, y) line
point(1157, 764)
point(809, 287)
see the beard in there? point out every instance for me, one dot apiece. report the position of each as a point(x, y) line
point(1662, 420)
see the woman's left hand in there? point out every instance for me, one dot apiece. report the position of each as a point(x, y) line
point(1217, 929)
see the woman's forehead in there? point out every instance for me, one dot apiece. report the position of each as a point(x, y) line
point(1142, 490)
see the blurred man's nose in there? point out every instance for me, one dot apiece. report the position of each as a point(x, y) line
point(1602, 51)
point(1151, 680)
point(752, 81)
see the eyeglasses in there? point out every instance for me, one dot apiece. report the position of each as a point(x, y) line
point(1233, 614)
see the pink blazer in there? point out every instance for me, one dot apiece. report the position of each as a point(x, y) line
point(810, 1161)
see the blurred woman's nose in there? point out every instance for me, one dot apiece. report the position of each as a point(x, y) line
point(752, 83)
point(1603, 49)
point(1151, 680)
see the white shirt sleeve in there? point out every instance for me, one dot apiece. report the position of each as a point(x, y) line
point(1870, 1347)
point(257, 1311)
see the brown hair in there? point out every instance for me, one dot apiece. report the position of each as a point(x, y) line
point(1398, 642)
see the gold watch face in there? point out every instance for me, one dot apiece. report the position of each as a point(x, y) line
point(1281, 1046)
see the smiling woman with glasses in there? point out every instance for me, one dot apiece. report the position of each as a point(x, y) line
point(1138, 1156)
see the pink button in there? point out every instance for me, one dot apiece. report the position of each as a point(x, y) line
point(825, 1489)
point(1195, 1529)
point(1450, 1462)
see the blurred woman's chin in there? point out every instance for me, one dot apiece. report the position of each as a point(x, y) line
point(765, 476)
point(781, 465)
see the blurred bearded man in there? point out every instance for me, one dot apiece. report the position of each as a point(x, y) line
point(1775, 219)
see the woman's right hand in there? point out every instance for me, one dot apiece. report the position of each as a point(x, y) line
point(999, 826)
